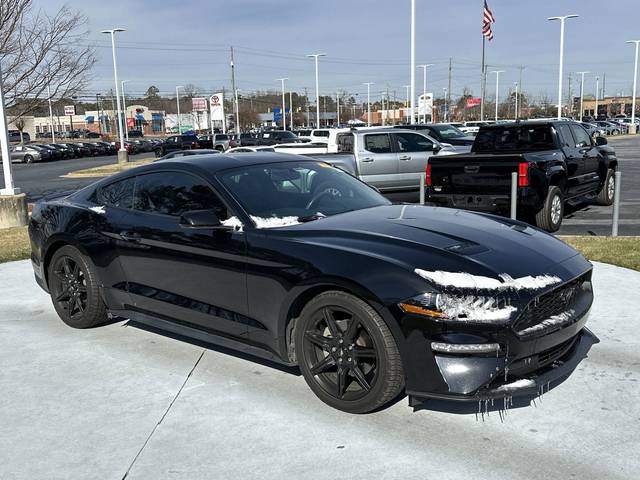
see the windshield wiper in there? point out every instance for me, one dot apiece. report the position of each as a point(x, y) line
point(311, 218)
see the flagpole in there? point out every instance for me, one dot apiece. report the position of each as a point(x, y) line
point(482, 77)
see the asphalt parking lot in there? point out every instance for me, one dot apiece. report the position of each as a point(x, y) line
point(119, 401)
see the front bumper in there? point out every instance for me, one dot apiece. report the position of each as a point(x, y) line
point(567, 358)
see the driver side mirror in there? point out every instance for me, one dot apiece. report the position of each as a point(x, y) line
point(203, 219)
point(600, 141)
point(436, 148)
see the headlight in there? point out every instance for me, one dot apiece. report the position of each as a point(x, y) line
point(462, 308)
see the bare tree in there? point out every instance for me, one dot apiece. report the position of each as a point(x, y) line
point(36, 49)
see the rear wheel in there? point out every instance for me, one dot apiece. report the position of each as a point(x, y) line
point(549, 218)
point(347, 354)
point(73, 286)
point(605, 196)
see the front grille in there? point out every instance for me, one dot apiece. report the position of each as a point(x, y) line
point(549, 304)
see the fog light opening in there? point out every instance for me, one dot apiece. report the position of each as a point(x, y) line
point(467, 348)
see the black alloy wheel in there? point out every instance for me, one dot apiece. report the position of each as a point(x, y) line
point(347, 354)
point(74, 289)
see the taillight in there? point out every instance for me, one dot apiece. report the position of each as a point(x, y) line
point(428, 180)
point(523, 174)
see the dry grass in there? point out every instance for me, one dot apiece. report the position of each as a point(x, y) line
point(106, 170)
point(621, 251)
point(14, 244)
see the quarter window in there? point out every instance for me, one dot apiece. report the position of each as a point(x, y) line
point(345, 142)
point(173, 193)
point(117, 194)
point(377, 143)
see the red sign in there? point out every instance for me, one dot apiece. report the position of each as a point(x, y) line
point(199, 104)
point(215, 101)
point(472, 102)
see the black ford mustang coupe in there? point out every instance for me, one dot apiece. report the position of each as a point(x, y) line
point(296, 261)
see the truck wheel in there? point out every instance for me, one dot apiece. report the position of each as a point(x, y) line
point(550, 217)
point(605, 196)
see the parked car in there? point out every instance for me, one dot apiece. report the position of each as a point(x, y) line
point(299, 263)
point(29, 154)
point(135, 133)
point(610, 128)
point(248, 149)
point(217, 141)
point(177, 142)
point(94, 150)
point(444, 133)
point(273, 137)
point(556, 162)
point(65, 151)
point(188, 153)
point(55, 153)
point(92, 135)
point(109, 148)
point(388, 159)
point(14, 136)
point(320, 135)
point(79, 150)
point(593, 130)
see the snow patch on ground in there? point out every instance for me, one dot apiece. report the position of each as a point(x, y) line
point(473, 308)
point(274, 222)
point(99, 209)
point(553, 321)
point(476, 282)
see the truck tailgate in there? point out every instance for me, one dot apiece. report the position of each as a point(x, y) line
point(473, 174)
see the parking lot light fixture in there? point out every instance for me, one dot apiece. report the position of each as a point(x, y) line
point(515, 110)
point(315, 57)
point(446, 107)
point(413, 62)
point(582, 74)
point(424, 88)
point(53, 135)
point(284, 116)
point(635, 84)
point(124, 110)
point(560, 73)
point(8, 189)
point(497, 72)
point(178, 105)
point(122, 153)
point(595, 111)
point(368, 84)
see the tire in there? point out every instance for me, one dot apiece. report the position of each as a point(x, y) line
point(347, 354)
point(550, 217)
point(605, 195)
point(73, 285)
point(220, 148)
point(28, 159)
point(615, 132)
point(158, 153)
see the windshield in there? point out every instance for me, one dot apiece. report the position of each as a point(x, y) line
point(514, 139)
point(448, 131)
point(304, 190)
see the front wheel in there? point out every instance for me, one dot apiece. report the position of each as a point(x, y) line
point(347, 354)
point(73, 285)
point(28, 159)
point(549, 218)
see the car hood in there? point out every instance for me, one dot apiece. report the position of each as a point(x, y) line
point(444, 239)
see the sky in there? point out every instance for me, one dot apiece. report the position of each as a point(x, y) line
point(169, 43)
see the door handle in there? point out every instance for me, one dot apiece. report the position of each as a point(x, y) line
point(367, 159)
point(405, 158)
point(130, 237)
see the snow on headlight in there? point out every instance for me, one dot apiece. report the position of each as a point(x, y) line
point(464, 280)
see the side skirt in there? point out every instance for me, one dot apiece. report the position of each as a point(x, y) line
point(170, 326)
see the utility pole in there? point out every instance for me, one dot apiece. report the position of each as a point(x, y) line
point(99, 114)
point(291, 109)
point(595, 111)
point(368, 84)
point(570, 96)
point(581, 114)
point(449, 88)
point(284, 109)
point(235, 93)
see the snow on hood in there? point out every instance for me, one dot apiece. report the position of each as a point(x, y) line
point(99, 209)
point(475, 282)
point(274, 222)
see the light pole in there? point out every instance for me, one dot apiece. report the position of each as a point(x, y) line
point(53, 135)
point(315, 57)
point(424, 88)
point(178, 105)
point(123, 156)
point(413, 62)
point(284, 116)
point(8, 189)
point(635, 84)
point(595, 112)
point(497, 72)
point(338, 108)
point(582, 74)
point(124, 109)
point(368, 84)
point(291, 109)
point(446, 107)
point(515, 110)
point(560, 73)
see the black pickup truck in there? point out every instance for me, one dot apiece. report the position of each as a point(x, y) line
point(557, 162)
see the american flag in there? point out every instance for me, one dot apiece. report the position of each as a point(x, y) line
point(487, 20)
